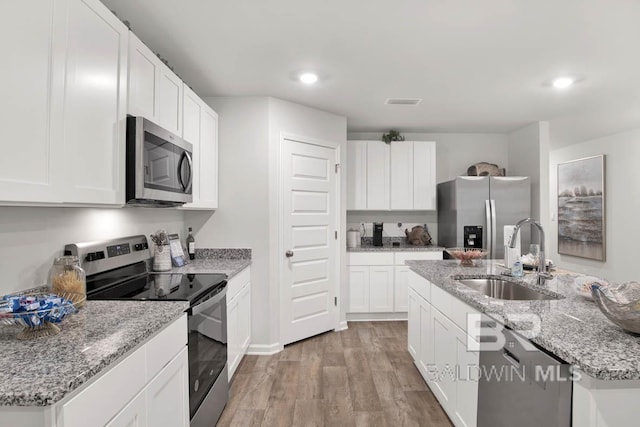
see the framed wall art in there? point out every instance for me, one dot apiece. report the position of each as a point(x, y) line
point(581, 203)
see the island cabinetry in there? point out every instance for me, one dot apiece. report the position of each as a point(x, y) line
point(442, 350)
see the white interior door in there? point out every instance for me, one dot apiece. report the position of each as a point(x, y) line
point(309, 230)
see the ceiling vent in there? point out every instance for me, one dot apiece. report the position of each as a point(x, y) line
point(403, 101)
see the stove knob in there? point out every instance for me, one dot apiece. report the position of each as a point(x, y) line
point(137, 247)
point(91, 256)
point(100, 255)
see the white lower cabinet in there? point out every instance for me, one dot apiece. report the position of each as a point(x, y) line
point(148, 387)
point(134, 414)
point(238, 318)
point(439, 347)
point(379, 281)
point(168, 394)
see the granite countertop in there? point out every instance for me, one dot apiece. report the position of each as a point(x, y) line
point(213, 261)
point(572, 328)
point(387, 247)
point(41, 372)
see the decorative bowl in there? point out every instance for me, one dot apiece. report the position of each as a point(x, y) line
point(466, 255)
point(41, 321)
point(620, 304)
point(582, 286)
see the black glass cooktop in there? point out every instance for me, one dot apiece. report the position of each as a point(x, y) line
point(137, 284)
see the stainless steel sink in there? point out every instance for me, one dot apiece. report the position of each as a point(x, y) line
point(504, 289)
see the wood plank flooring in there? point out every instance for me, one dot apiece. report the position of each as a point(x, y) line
point(362, 376)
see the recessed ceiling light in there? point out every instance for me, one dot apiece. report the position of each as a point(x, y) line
point(308, 78)
point(563, 82)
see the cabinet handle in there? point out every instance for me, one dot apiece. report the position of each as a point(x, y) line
point(289, 254)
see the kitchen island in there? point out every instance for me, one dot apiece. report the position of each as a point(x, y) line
point(605, 358)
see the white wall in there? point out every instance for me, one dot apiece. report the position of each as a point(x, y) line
point(455, 152)
point(33, 236)
point(249, 147)
point(529, 156)
point(242, 219)
point(622, 204)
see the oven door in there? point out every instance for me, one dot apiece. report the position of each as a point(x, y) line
point(208, 352)
point(159, 164)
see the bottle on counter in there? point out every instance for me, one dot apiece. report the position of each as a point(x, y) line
point(191, 245)
point(517, 269)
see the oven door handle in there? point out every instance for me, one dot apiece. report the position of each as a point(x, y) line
point(206, 304)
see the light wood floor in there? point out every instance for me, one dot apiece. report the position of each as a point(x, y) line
point(363, 376)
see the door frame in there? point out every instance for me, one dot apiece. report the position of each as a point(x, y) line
point(280, 228)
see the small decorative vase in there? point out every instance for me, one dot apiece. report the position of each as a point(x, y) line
point(161, 258)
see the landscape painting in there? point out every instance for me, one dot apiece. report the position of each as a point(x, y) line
point(581, 229)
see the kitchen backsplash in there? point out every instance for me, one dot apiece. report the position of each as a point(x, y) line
point(395, 229)
point(32, 237)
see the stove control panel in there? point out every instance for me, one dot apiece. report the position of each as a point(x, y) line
point(117, 250)
point(97, 257)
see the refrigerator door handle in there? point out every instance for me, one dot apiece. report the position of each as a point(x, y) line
point(493, 229)
point(487, 205)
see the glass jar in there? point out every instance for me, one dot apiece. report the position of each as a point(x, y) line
point(68, 280)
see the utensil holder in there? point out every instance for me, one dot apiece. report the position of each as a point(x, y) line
point(161, 258)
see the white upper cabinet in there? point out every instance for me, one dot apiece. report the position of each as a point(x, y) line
point(89, 108)
point(64, 128)
point(27, 169)
point(169, 100)
point(200, 128)
point(155, 92)
point(143, 85)
point(396, 176)
point(413, 175)
point(377, 175)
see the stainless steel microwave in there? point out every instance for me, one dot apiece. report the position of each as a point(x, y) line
point(159, 166)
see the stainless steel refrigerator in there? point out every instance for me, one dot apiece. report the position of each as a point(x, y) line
point(481, 207)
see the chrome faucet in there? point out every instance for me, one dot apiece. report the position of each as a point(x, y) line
point(543, 276)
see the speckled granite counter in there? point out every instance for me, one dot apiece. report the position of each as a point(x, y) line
point(41, 372)
point(387, 247)
point(572, 328)
point(225, 261)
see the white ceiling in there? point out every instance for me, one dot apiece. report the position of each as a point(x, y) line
point(478, 65)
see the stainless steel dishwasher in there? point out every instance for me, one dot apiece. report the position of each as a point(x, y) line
point(523, 387)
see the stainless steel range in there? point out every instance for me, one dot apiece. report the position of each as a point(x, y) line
point(117, 270)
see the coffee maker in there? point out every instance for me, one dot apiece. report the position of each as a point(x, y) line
point(377, 234)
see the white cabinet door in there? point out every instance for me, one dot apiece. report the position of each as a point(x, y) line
point(169, 100)
point(377, 175)
point(233, 335)
point(357, 175)
point(401, 286)
point(426, 353)
point(424, 175)
point(381, 289)
point(444, 358)
point(208, 162)
point(143, 80)
point(168, 394)
point(402, 175)
point(466, 401)
point(244, 319)
point(358, 289)
point(29, 153)
point(413, 325)
point(89, 110)
point(133, 415)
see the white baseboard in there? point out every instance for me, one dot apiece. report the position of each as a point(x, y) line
point(341, 326)
point(375, 317)
point(265, 349)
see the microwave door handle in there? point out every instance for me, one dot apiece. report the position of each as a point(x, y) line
point(190, 161)
point(187, 185)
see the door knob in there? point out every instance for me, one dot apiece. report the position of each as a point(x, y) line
point(289, 254)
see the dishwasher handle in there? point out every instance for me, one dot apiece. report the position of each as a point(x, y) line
point(511, 358)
